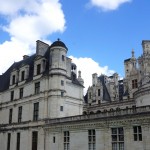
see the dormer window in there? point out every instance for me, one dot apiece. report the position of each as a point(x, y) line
point(13, 79)
point(38, 69)
point(22, 75)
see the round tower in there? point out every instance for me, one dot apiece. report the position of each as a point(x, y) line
point(58, 52)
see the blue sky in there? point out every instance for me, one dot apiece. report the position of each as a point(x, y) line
point(99, 34)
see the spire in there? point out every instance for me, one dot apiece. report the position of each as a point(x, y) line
point(132, 53)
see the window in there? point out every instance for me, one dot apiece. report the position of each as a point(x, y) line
point(53, 139)
point(36, 111)
point(13, 79)
point(61, 108)
point(22, 75)
point(90, 95)
point(8, 141)
point(37, 88)
point(18, 142)
point(10, 115)
point(12, 95)
point(137, 132)
point(92, 139)
point(117, 138)
point(19, 114)
point(21, 93)
point(38, 69)
point(63, 58)
point(66, 140)
point(62, 94)
point(34, 140)
point(134, 84)
point(62, 82)
point(99, 92)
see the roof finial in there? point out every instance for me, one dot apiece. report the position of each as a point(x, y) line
point(132, 53)
point(58, 39)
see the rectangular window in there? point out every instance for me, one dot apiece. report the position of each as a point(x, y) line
point(38, 69)
point(91, 139)
point(34, 140)
point(99, 92)
point(19, 114)
point(117, 138)
point(62, 83)
point(37, 88)
point(8, 141)
point(13, 79)
point(63, 58)
point(18, 142)
point(10, 115)
point(12, 95)
point(22, 75)
point(66, 140)
point(90, 95)
point(53, 139)
point(36, 111)
point(134, 84)
point(21, 93)
point(137, 132)
point(61, 108)
point(62, 94)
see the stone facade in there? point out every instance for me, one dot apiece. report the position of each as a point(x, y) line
point(41, 104)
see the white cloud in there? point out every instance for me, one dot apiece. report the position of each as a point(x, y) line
point(88, 66)
point(106, 5)
point(26, 22)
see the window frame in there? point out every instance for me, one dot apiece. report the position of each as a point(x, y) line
point(36, 111)
point(66, 140)
point(21, 93)
point(137, 133)
point(18, 141)
point(37, 87)
point(92, 139)
point(38, 69)
point(8, 141)
point(12, 95)
point(34, 140)
point(10, 115)
point(19, 114)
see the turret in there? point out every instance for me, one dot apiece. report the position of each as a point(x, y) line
point(79, 78)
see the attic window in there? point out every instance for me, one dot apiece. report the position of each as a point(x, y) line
point(13, 79)
point(22, 75)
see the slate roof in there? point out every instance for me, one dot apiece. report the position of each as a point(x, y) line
point(5, 78)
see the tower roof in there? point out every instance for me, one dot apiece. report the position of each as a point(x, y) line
point(59, 43)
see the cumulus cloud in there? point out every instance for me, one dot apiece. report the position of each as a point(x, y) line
point(107, 5)
point(25, 22)
point(88, 66)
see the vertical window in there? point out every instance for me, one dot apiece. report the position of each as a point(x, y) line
point(89, 95)
point(63, 58)
point(53, 139)
point(36, 111)
point(13, 79)
point(21, 93)
point(99, 92)
point(18, 142)
point(10, 115)
point(66, 140)
point(8, 141)
point(62, 82)
point(137, 132)
point(34, 140)
point(37, 88)
point(19, 114)
point(134, 84)
point(22, 75)
point(38, 69)
point(12, 95)
point(61, 108)
point(62, 94)
point(92, 139)
point(117, 138)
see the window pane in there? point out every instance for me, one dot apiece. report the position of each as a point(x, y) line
point(114, 137)
point(139, 129)
point(135, 137)
point(114, 130)
point(135, 129)
point(140, 137)
point(121, 146)
point(120, 130)
point(121, 138)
